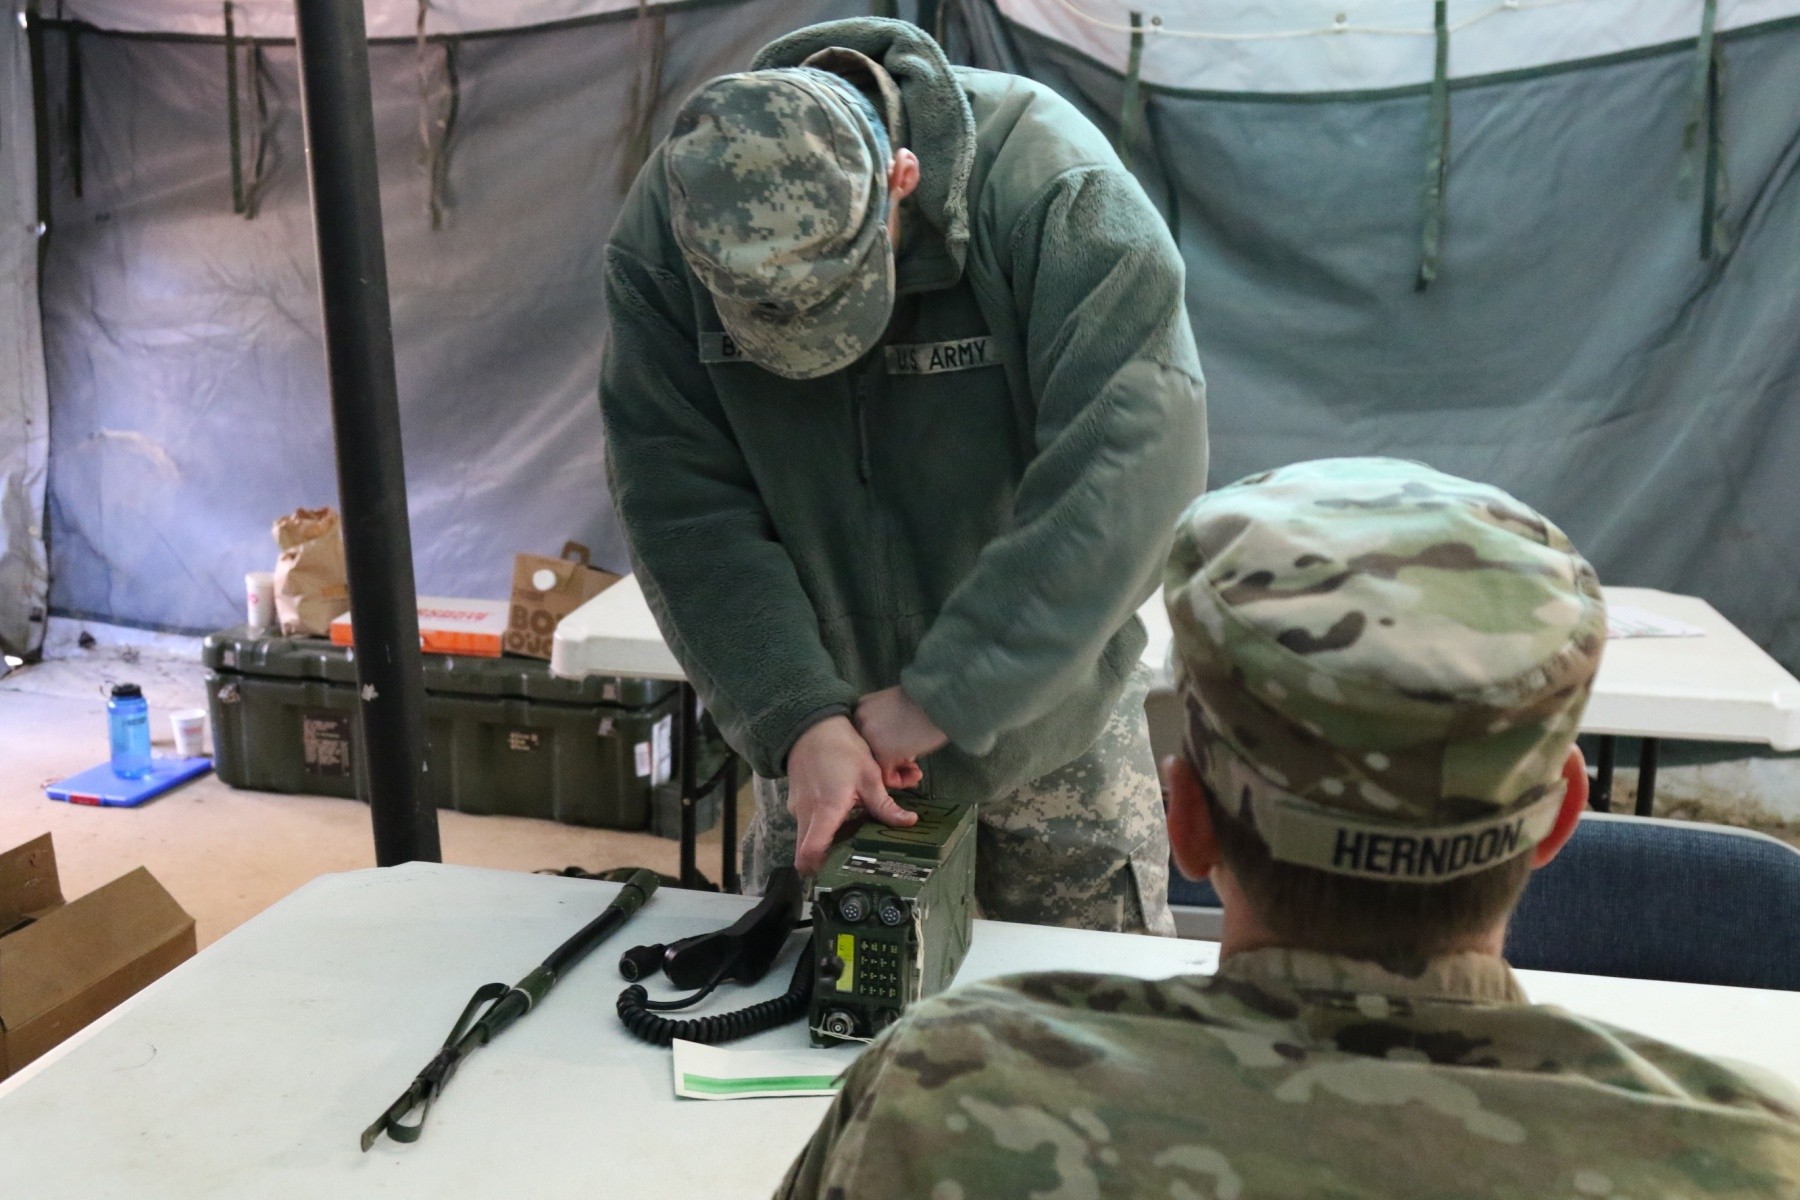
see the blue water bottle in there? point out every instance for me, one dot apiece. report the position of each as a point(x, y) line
point(128, 722)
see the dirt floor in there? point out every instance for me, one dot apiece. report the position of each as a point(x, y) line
point(225, 854)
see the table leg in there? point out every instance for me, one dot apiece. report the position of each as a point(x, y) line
point(1600, 797)
point(687, 751)
point(693, 790)
point(1646, 789)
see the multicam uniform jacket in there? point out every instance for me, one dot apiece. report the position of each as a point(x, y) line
point(1287, 1075)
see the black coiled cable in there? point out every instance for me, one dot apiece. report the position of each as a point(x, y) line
point(659, 1030)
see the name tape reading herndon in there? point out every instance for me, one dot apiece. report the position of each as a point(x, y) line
point(924, 358)
point(1385, 852)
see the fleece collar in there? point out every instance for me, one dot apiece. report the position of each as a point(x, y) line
point(940, 129)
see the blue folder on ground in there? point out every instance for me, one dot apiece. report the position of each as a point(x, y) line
point(98, 785)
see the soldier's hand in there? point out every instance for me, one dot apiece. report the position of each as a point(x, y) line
point(830, 773)
point(899, 733)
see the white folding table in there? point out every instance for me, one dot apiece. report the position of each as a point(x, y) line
point(1720, 686)
point(251, 1070)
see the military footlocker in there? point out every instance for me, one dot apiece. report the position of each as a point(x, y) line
point(893, 910)
point(504, 736)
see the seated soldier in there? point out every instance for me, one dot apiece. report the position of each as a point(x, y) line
point(1383, 669)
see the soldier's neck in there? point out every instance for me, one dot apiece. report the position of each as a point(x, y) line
point(1243, 931)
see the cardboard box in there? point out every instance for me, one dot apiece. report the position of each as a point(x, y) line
point(64, 964)
point(448, 626)
point(544, 591)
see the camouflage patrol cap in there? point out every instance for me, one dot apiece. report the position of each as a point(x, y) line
point(1383, 666)
point(778, 199)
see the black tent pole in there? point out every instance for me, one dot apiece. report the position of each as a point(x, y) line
point(339, 119)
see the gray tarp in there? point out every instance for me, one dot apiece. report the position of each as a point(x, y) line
point(1574, 349)
point(185, 360)
point(24, 427)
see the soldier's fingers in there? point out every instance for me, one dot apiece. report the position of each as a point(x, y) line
point(809, 855)
point(814, 839)
point(878, 804)
point(903, 774)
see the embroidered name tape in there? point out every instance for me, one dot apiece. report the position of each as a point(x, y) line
point(924, 358)
point(935, 358)
point(720, 348)
point(1311, 837)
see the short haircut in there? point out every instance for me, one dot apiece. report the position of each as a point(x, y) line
point(1395, 924)
point(859, 100)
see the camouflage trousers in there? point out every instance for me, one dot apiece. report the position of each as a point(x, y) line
point(1084, 846)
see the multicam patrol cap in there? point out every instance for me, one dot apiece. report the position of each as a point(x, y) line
point(1383, 666)
point(778, 199)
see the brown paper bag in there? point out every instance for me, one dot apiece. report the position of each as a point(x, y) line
point(544, 591)
point(311, 586)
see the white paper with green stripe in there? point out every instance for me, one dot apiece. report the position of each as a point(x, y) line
point(735, 1073)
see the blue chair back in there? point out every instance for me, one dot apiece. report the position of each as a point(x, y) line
point(1654, 899)
point(1190, 893)
point(1649, 899)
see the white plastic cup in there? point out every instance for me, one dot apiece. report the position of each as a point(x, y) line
point(189, 726)
point(259, 601)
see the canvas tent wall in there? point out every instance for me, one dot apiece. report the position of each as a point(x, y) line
point(182, 337)
point(1576, 346)
point(1573, 346)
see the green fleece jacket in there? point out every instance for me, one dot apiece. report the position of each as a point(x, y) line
point(977, 508)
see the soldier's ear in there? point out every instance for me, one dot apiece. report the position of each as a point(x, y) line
point(903, 175)
point(1575, 798)
point(1191, 841)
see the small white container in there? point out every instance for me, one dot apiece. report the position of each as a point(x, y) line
point(259, 600)
point(189, 726)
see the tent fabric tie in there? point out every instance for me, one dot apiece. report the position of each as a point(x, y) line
point(231, 108)
point(246, 192)
point(440, 175)
point(1701, 137)
point(1437, 153)
point(1131, 96)
point(1171, 192)
point(646, 88)
point(262, 141)
point(436, 133)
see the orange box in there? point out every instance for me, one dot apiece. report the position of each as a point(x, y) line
point(448, 625)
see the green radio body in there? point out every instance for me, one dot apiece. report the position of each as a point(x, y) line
point(893, 911)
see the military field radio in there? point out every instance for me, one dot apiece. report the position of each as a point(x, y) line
point(892, 915)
